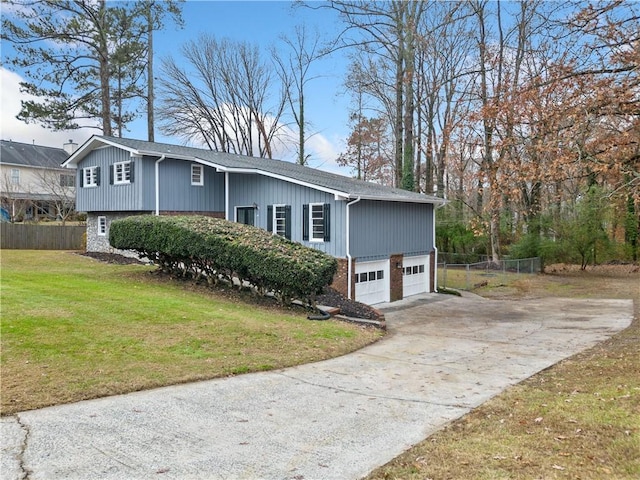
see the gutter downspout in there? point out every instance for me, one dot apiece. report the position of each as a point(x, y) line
point(226, 195)
point(158, 184)
point(349, 269)
point(435, 249)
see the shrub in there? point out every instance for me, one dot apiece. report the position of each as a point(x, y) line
point(214, 249)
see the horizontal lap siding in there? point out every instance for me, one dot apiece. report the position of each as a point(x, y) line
point(247, 189)
point(379, 229)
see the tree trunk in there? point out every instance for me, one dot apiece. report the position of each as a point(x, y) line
point(150, 86)
point(105, 94)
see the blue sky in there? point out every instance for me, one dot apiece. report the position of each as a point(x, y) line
point(260, 22)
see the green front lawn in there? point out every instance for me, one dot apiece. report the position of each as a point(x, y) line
point(74, 328)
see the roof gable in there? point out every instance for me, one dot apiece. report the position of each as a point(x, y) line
point(333, 183)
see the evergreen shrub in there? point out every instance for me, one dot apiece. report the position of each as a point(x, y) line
point(214, 249)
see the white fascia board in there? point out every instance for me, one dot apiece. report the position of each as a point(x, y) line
point(75, 157)
point(337, 193)
point(90, 145)
point(152, 153)
point(435, 201)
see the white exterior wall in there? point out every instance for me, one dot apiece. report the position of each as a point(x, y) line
point(38, 181)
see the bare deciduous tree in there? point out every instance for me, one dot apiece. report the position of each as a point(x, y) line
point(221, 98)
point(294, 71)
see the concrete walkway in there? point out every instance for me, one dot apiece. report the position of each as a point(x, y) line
point(337, 419)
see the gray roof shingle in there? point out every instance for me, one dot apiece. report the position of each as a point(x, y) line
point(25, 154)
point(350, 187)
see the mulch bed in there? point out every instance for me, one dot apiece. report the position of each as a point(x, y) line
point(112, 258)
point(348, 308)
point(330, 297)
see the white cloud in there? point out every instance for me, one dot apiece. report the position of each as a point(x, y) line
point(13, 129)
point(324, 154)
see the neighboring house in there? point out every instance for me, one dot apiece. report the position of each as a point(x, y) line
point(33, 183)
point(383, 238)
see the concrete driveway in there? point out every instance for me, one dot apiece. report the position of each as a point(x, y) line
point(337, 419)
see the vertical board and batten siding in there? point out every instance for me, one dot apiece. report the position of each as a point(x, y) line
point(247, 189)
point(379, 229)
point(105, 197)
point(176, 192)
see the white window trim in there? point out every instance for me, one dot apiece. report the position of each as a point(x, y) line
point(15, 176)
point(312, 238)
point(102, 222)
point(92, 180)
point(123, 178)
point(197, 166)
point(274, 221)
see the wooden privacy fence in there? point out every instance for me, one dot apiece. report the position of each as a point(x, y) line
point(42, 237)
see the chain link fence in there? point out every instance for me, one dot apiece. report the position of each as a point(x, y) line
point(467, 276)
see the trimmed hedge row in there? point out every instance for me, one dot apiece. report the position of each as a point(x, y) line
point(214, 249)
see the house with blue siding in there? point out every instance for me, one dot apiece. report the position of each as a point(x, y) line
point(383, 238)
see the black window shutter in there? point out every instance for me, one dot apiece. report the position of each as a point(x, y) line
point(305, 221)
point(132, 169)
point(81, 182)
point(327, 231)
point(287, 222)
point(98, 176)
point(111, 170)
point(270, 218)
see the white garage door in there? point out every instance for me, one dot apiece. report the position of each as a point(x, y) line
point(372, 282)
point(415, 275)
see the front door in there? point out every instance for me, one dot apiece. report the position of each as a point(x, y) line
point(245, 215)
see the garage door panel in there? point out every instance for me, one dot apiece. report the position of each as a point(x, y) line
point(372, 282)
point(415, 275)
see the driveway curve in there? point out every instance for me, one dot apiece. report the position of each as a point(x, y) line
point(336, 419)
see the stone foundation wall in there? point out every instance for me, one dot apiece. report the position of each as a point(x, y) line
point(100, 243)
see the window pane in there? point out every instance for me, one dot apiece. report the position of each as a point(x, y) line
point(415, 270)
point(421, 269)
point(279, 221)
point(363, 277)
point(317, 222)
point(196, 175)
point(67, 180)
point(90, 177)
point(380, 274)
point(122, 172)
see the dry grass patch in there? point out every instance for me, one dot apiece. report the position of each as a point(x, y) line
point(579, 419)
point(74, 328)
